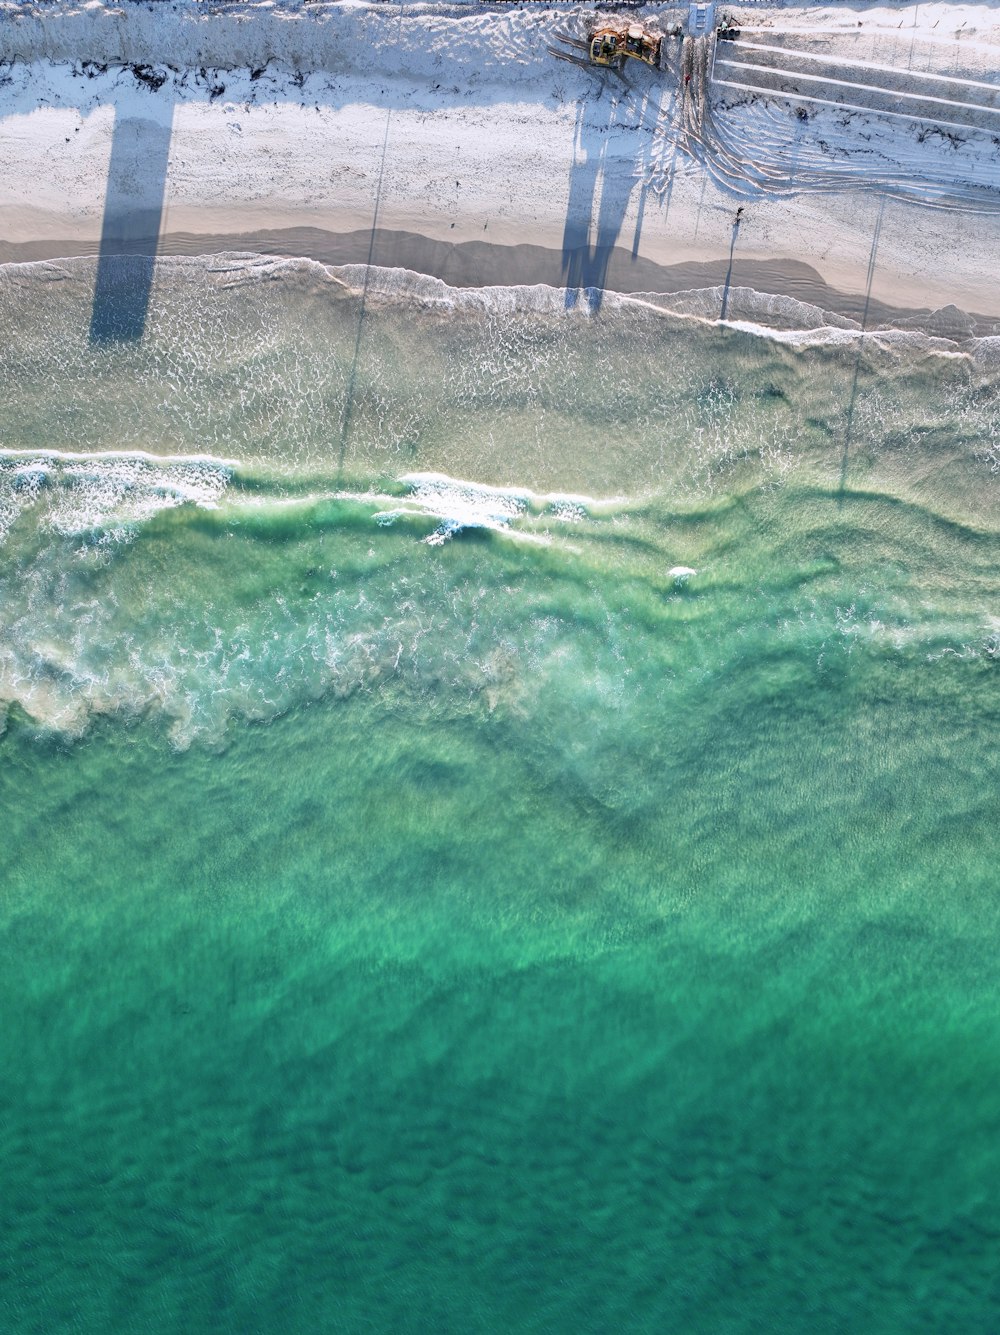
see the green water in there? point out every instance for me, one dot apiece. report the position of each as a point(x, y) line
point(504, 933)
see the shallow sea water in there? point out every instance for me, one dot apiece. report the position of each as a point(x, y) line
point(422, 909)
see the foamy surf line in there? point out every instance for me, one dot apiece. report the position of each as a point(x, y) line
point(762, 312)
point(104, 496)
point(746, 309)
point(107, 494)
point(112, 643)
point(144, 456)
point(459, 505)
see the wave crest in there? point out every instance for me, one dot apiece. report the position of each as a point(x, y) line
point(102, 498)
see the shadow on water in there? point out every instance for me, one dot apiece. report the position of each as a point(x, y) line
point(133, 211)
point(609, 159)
point(849, 423)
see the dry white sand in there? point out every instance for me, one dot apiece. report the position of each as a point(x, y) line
point(457, 126)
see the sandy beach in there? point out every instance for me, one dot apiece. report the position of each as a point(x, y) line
point(449, 140)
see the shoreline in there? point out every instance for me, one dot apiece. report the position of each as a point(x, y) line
point(480, 264)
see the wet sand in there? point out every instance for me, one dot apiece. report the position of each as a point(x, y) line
point(484, 264)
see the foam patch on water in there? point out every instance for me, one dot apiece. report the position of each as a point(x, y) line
point(458, 505)
point(103, 498)
point(461, 505)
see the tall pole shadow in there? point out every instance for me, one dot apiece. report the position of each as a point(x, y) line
point(849, 426)
point(352, 379)
point(729, 271)
point(133, 212)
point(347, 416)
point(600, 187)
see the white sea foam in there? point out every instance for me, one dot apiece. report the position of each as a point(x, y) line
point(462, 505)
point(137, 635)
point(103, 497)
point(747, 305)
point(773, 316)
point(401, 285)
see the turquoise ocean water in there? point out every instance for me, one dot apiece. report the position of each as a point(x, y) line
point(499, 815)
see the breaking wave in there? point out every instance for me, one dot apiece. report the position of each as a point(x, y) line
point(194, 594)
point(265, 602)
point(102, 498)
point(472, 505)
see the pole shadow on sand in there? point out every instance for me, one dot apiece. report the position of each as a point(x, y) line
point(601, 182)
point(729, 271)
point(133, 212)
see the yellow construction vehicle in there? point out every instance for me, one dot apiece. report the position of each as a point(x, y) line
point(611, 45)
point(615, 45)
